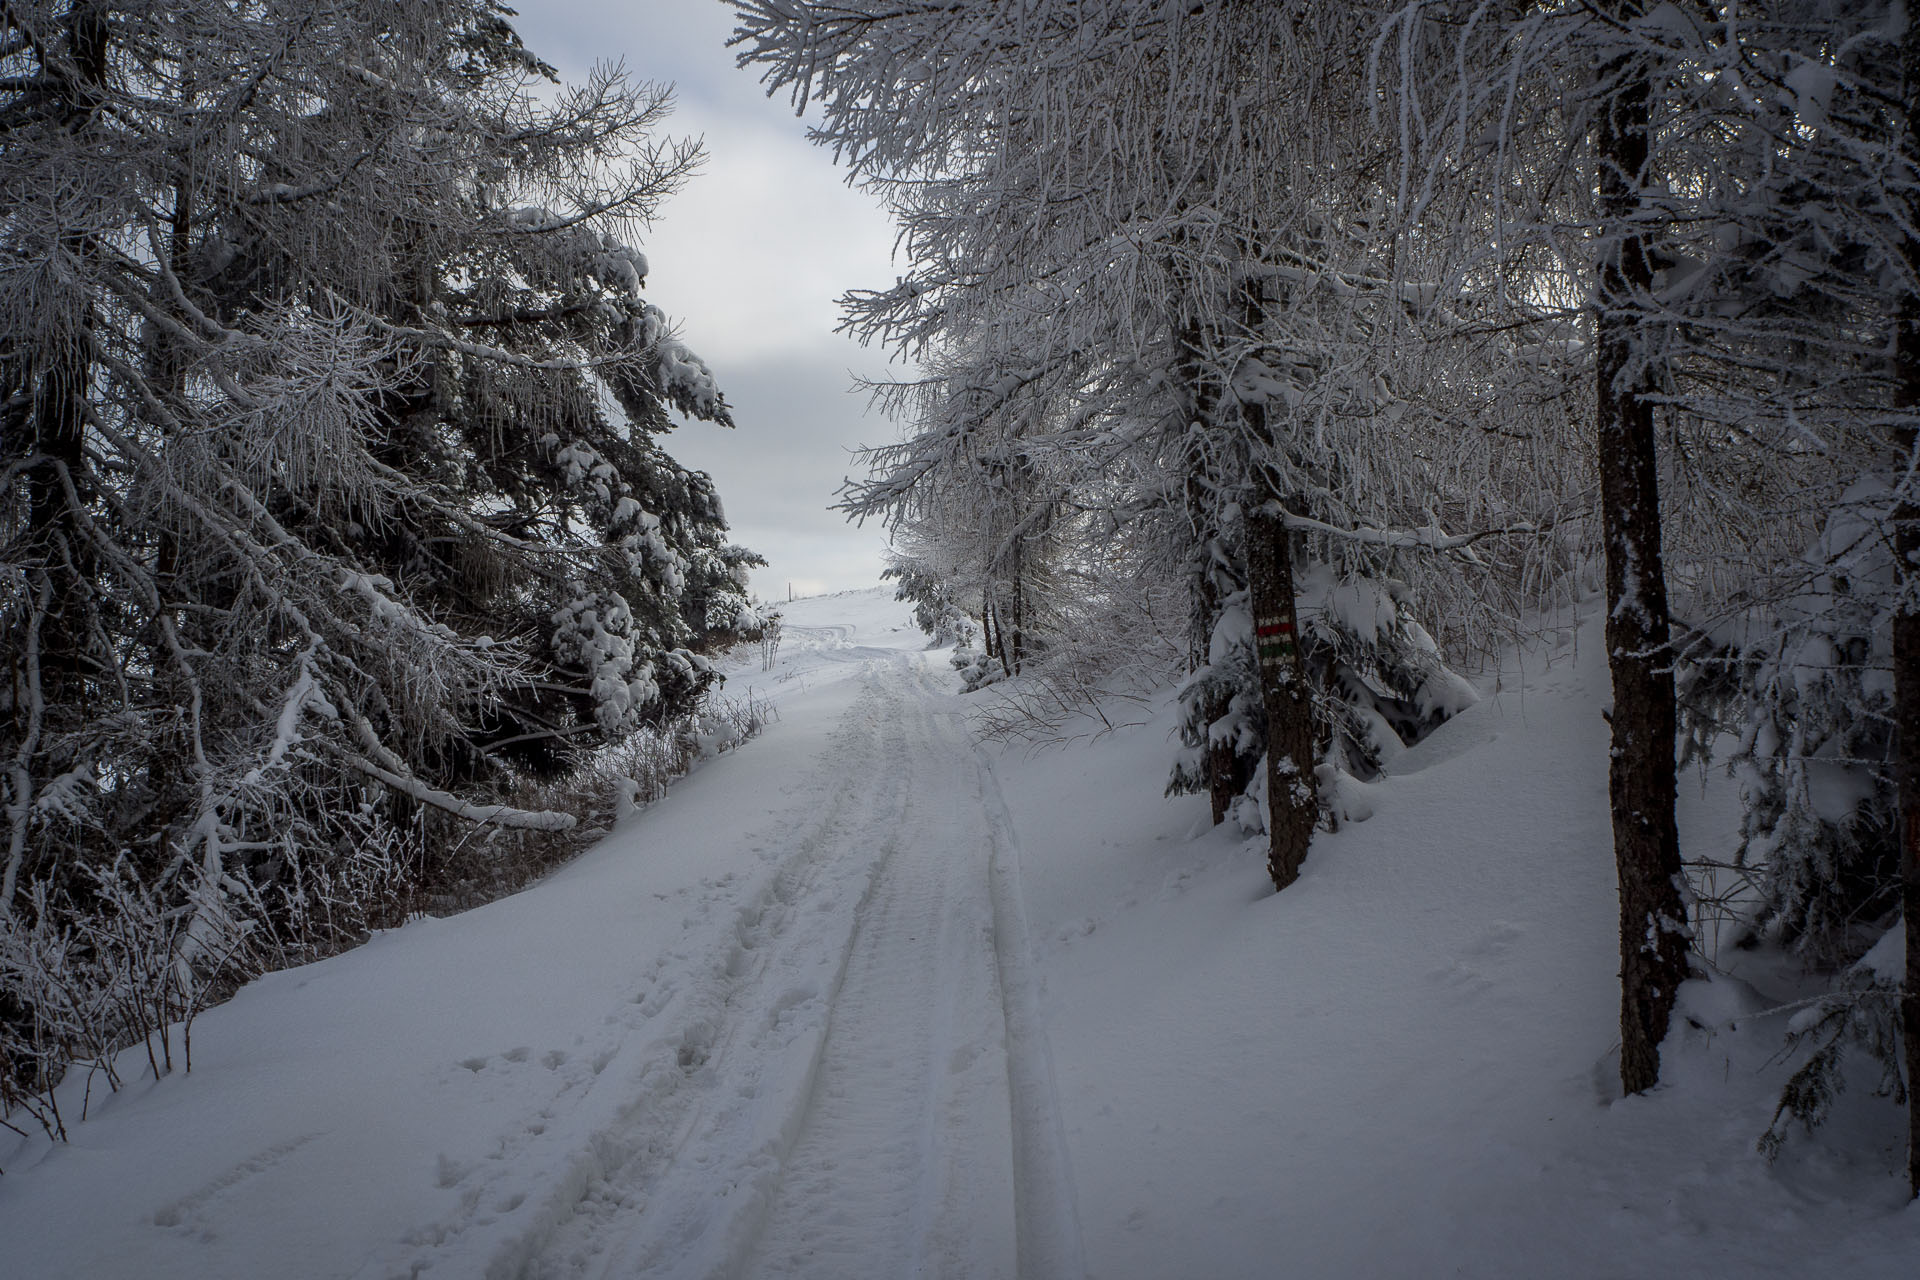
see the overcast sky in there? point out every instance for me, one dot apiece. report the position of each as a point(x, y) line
point(749, 258)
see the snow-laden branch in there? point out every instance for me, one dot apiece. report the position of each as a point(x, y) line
point(304, 694)
point(390, 769)
point(1430, 538)
point(499, 815)
point(438, 341)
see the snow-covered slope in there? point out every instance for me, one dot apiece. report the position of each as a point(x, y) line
point(1406, 1065)
point(863, 999)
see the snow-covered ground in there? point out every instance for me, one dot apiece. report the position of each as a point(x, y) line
point(864, 999)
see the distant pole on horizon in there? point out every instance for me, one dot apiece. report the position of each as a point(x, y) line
point(789, 593)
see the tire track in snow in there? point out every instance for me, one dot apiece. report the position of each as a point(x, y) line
point(930, 1144)
point(557, 1184)
point(689, 1206)
point(902, 1164)
point(852, 1082)
point(1049, 1222)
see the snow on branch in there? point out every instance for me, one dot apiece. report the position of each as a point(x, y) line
point(304, 695)
point(394, 772)
point(1429, 538)
point(500, 815)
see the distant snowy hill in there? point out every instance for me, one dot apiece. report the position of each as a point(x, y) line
point(866, 999)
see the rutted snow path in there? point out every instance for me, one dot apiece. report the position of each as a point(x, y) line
point(786, 1024)
point(780, 1025)
point(927, 1144)
point(837, 1087)
point(845, 1098)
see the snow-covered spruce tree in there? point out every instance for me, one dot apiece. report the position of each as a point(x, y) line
point(1785, 324)
point(1380, 685)
point(1761, 182)
point(1815, 231)
point(542, 380)
point(1814, 755)
point(327, 471)
point(1162, 221)
point(1779, 288)
point(1808, 682)
point(937, 606)
point(1599, 100)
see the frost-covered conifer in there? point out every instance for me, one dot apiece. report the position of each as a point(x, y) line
point(329, 409)
point(937, 609)
point(1151, 245)
point(1379, 679)
point(1755, 265)
point(1814, 753)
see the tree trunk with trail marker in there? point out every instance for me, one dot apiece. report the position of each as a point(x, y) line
point(1292, 803)
point(1641, 782)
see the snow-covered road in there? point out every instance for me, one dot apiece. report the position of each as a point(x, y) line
point(782, 1024)
point(788, 1022)
point(852, 1093)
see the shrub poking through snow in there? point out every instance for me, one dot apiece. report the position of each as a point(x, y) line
point(1805, 686)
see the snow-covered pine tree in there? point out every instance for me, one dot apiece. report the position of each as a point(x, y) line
point(541, 381)
point(282, 536)
point(1160, 221)
point(1808, 683)
point(936, 611)
point(1380, 682)
point(1752, 174)
point(1810, 224)
point(1814, 753)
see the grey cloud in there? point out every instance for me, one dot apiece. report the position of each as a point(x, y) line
point(778, 470)
point(748, 259)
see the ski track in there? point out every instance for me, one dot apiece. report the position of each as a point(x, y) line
point(850, 1081)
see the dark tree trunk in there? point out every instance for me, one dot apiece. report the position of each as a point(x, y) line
point(1906, 703)
point(1224, 783)
point(1225, 779)
point(1653, 914)
point(997, 641)
point(1017, 606)
point(54, 529)
point(1003, 629)
point(59, 375)
point(1906, 638)
point(1292, 799)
